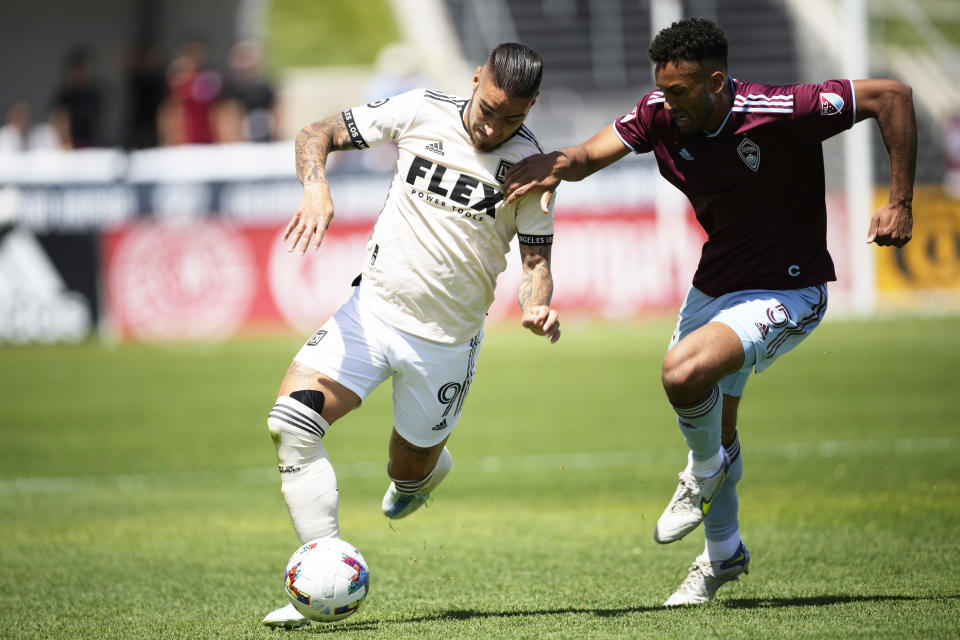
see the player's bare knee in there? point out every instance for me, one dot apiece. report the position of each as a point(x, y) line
point(680, 379)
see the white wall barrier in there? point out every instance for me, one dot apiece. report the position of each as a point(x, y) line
point(184, 243)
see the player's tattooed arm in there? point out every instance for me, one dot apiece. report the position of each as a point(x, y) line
point(315, 213)
point(536, 291)
point(314, 143)
point(536, 281)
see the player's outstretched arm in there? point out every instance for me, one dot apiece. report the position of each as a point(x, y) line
point(313, 144)
point(543, 172)
point(535, 292)
point(890, 103)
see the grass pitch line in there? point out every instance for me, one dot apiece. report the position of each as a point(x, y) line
point(486, 465)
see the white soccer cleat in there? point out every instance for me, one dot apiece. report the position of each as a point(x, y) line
point(398, 505)
point(706, 577)
point(286, 617)
point(691, 501)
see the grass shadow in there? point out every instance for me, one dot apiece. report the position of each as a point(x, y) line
point(731, 603)
point(472, 614)
point(821, 601)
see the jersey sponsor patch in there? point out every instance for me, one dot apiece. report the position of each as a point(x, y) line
point(750, 154)
point(436, 147)
point(830, 104)
point(459, 187)
point(378, 103)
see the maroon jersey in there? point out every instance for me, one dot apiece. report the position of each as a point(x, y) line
point(756, 184)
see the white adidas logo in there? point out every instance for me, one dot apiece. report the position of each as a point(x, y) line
point(436, 147)
point(35, 305)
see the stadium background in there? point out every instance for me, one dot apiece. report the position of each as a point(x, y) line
point(168, 241)
point(148, 312)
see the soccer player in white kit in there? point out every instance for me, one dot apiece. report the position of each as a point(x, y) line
point(416, 314)
point(748, 156)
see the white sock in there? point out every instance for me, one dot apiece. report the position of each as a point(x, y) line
point(312, 499)
point(720, 550)
point(307, 478)
point(705, 468)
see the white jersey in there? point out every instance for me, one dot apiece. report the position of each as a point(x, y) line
point(442, 237)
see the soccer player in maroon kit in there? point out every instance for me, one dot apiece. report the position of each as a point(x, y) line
point(749, 158)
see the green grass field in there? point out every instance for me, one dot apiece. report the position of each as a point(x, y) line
point(139, 499)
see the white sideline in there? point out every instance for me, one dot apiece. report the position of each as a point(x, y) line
point(489, 464)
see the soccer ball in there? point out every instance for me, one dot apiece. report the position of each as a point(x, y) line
point(327, 579)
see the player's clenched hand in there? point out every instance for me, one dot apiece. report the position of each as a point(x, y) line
point(542, 321)
point(312, 218)
point(891, 225)
point(534, 173)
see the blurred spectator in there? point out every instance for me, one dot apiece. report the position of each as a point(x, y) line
point(146, 87)
point(78, 103)
point(18, 132)
point(248, 110)
point(193, 89)
point(16, 127)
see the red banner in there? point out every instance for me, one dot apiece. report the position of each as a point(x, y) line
point(212, 280)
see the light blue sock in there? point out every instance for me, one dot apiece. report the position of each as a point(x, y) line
point(700, 425)
point(720, 525)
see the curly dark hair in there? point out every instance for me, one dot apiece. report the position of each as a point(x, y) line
point(690, 40)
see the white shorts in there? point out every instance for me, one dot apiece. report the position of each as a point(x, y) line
point(769, 323)
point(430, 379)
